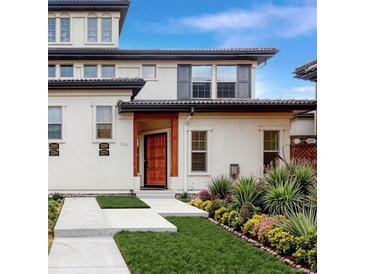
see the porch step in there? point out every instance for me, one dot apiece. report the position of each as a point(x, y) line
point(155, 194)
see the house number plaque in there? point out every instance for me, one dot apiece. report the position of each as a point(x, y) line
point(104, 152)
point(54, 152)
point(103, 146)
point(54, 146)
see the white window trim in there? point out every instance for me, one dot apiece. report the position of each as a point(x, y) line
point(148, 79)
point(55, 71)
point(97, 71)
point(63, 77)
point(217, 81)
point(94, 139)
point(101, 29)
point(101, 71)
point(98, 30)
point(261, 130)
point(209, 131)
point(87, 29)
point(59, 30)
point(211, 81)
point(63, 127)
point(55, 29)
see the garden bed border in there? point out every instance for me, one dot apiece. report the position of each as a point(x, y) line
point(284, 259)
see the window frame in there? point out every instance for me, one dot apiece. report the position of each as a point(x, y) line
point(87, 28)
point(209, 131)
point(89, 65)
point(103, 140)
point(101, 71)
point(280, 131)
point(55, 29)
point(69, 30)
point(235, 81)
point(102, 29)
point(67, 77)
point(211, 81)
point(149, 65)
point(63, 128)
point(55, 71)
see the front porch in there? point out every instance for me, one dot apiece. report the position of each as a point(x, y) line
point(155, 150)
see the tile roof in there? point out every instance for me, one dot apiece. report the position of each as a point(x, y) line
point(217, 105)
point(307, 71)
point(259, 54)
point(135, 84)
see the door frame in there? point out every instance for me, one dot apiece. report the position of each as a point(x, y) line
point(143, 159)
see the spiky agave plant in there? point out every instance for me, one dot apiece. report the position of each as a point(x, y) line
point(312, 195)
point(304, 174)
point(246, 194)
point(300, 223)
point(275, 175)
point(282, 196)
point(220, 186)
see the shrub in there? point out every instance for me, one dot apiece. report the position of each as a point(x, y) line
point(275, 176)
point(263, 228)
point(312, 195)
point(246, 194)
point(283, 241)
point(52, 209)
point(312, 258)
point(204, 195)
point(233, 219)
point(196, 202)
point(246, 213)
point(216, 204)
point(220, 187)
point(250, 224)
point(206, 205)
point(57, 196)
point(301, 256)
point(225, 218)
point(302, 223)
point(303, 173)
point(219, 213)
point(282, 197)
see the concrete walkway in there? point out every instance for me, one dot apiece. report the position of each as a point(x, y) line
point(83, 242)
point(173, 207)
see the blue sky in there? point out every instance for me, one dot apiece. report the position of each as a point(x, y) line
point(288, 25)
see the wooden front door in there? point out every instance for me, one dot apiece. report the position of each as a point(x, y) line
point(155, 160)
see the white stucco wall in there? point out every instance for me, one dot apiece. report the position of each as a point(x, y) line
point(78, 35)
point(79, 166)
point(233, 138)
point(164, 86)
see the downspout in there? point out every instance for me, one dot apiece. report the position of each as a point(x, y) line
point(186, 141)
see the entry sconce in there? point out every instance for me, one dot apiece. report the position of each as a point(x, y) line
point(234, 171)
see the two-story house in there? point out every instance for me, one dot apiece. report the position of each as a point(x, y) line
point(129, 119)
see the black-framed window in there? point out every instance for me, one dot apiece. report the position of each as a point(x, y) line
point(199, 151)
point(271, 148)
point(226, 81)
point(51, 29)
point(201, 76)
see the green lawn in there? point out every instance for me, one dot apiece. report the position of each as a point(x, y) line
point(199, 246)
point(120, 202)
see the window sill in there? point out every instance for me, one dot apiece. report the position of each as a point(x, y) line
point(99, 43)
point(60, 43)
point(192, 174)
point(150, 79)
point(98, 141)
point(58, 141)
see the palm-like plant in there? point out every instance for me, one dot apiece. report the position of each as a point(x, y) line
point(275, 175)
point(300, 223)
point(312, 195)
point(246, 194)
point(304, 174)
point(283, 196)
point(220, 186)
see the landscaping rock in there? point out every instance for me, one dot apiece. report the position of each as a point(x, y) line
point(298, 266)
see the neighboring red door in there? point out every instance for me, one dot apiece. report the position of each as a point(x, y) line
point(155, 165)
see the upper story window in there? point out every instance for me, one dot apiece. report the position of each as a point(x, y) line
point(51, 29)
point(51, 71)
point(149, 71)
point(90, 71)
point(271, 147)
point(55, 123)
point(65, 30)
point(92, 29)
point(201, 81)
point(104, 122)
point(107, 71)
point(226, 81)
point(66, 71)
point(106, 29)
